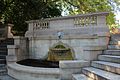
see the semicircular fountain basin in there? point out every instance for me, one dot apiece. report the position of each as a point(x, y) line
point(32, 69)
point(39, 63)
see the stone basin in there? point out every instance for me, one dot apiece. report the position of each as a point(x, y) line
point(64, 72)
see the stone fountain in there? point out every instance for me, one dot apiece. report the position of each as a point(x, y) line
point(85, 36)
point(60, 52)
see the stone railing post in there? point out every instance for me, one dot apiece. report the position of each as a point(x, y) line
point(30, 28)
point(101, 21)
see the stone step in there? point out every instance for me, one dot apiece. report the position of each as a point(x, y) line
point(109, 58)
point(7, 43)
point(115, 37)
point(6, 77)
point(3, 48)
point(113, 42)
point(108, 66)
point(2, 66)
point(2, 56)
point(7, 40)
point(3, 52)
point(99, 74)
point(80, 77)
point(113, 46)
point(2, 61)
point(112, 52)
point(3, 45)
point(3, 72)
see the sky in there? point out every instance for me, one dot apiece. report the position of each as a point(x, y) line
point(116, 10)
point(117, 16)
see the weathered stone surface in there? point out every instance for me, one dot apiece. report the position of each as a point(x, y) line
point(73, 64)
point(112, 52)
point(109, 58)
point(108, 66)
point(39, 48)
point(21, 72)
point(98, 74)
point(6, 77)
point(18, 51)
point(75, 35)
point(113, 46)
point(80, 77)
point(68, 68)
point(85, 40)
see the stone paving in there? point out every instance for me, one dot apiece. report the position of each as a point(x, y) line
point(6, 77)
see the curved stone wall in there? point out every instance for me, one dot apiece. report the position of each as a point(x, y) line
point(64, 72)
point(21, 72)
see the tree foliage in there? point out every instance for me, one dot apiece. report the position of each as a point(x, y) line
point(72, 7)
point(2, 6)
point(19, 11)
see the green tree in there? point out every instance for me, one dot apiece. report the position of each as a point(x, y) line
point(72, 7)
point(19, 11)
point(2, 8)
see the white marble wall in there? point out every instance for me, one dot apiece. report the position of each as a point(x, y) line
point(77, 36)
point(18, 51)
point(39, 48)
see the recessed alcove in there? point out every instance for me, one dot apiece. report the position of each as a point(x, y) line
point(60, 51)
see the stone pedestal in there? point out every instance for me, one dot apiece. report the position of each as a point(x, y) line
point(67, 68)
point(12, 53)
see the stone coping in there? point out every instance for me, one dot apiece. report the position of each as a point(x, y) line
point(19, 37)
point(22, 72)
point(12, 46)
point(71, 36)
point(35, 70)
point(70, 17)
point(50, 37)
point(95, 48)
point(81, 31)
point(68, 64)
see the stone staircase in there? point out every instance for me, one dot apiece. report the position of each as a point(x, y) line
point(108, 65)
point(3, 54)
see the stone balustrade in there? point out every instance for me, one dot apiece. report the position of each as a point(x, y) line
point(41, 25)
point(85, 20)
